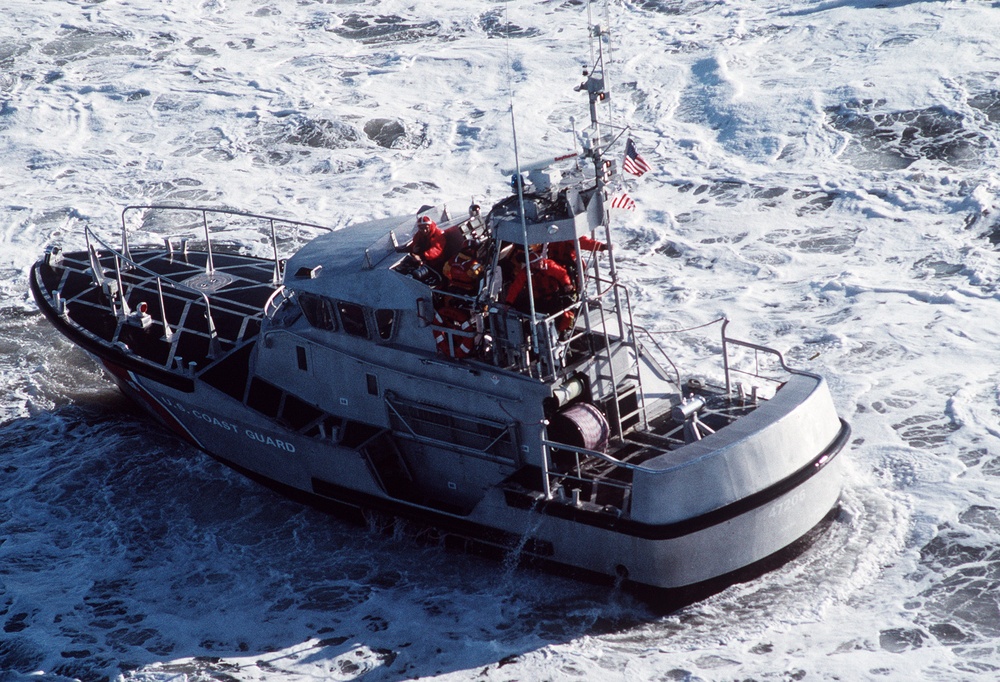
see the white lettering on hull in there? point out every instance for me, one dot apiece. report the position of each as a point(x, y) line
point(252, 434)
point(785, 506)
point(267, 440)
point(228, 426)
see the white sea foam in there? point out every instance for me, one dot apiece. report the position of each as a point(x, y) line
point(824, 177)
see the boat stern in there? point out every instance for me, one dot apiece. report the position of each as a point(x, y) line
point(739, 495)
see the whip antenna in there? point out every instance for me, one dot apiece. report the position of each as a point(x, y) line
point(517, 182)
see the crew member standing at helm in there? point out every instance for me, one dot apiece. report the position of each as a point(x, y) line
point(427, 250)
point(428, 243)
point(565, 254)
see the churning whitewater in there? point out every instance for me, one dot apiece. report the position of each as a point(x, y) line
point(823, 176)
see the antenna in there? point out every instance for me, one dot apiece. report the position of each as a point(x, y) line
point(606, 35)
point(519, 184)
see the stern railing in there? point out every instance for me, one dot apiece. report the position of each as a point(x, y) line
point(759, 351)
point(557, 483)
point(556, 480)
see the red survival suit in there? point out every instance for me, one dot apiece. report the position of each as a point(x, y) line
point(429, 243)
point(464, 271)
point(565, 254)
point(550, 284)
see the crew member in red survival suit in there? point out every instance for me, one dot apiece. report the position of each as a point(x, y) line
point(428, 243)
point(552, 286)
point(565, 254)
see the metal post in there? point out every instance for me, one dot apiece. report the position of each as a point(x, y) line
point(125, 250)
point(277, 265)
point(209, 264)
point(725, 357)
point(96, 270)
point(546, 485)
point(121, 291)
point(213, 336)
point(527, 247)
point(638, 365)
point(168, 334)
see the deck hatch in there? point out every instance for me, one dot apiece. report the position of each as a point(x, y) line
point(209, 283)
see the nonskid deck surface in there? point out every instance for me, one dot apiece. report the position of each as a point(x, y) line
point(238, 287)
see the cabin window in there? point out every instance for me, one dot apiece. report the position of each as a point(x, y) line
point(384, 319)
point(298, 414)
point(352, 317)
point(318, 310)
point(264, 397)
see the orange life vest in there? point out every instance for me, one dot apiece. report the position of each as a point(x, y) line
point(464, 271)
point(454, 333)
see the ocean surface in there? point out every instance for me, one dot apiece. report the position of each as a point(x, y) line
point(825, 176)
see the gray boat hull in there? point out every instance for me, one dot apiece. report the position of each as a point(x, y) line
point(673, 554)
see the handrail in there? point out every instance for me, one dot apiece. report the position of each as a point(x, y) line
point(125, 256)
point(212, 332)
point(485, 452)
point(599, 455)
point(205, 211)
point(576, 474)
point(546, 322)
point(269, 303)
point(649, 335)
point(727, 340)
point(136, 266)
point(225, 211)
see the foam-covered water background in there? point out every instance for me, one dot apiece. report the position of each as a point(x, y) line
point(824, 176)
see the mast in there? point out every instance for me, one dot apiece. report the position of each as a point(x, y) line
point(603, 168)
point(598, 139)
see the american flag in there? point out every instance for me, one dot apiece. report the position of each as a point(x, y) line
point(633, 163)
point(622, 200)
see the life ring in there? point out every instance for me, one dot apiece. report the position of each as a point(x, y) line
point(450, 318)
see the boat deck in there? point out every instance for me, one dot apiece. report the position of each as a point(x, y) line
point(206, 320)
point(178, 328)
point(606, 483)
